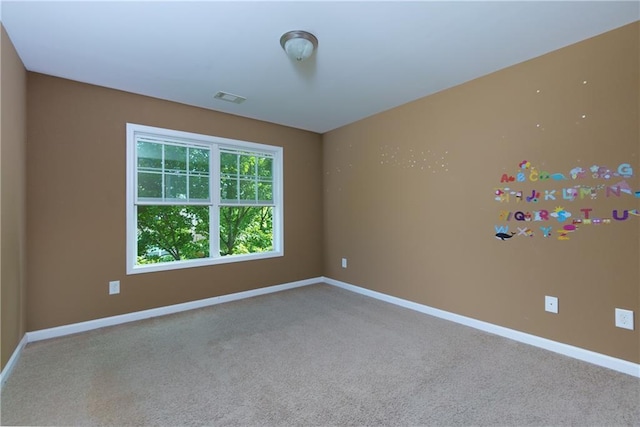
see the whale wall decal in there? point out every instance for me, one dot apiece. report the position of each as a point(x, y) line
point(504, 236)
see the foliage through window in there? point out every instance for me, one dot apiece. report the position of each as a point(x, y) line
point(197, 200)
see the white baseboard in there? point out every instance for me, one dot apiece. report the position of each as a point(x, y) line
point(8, 368)
point(75, 328)
point(565, 349)
point(599, 359)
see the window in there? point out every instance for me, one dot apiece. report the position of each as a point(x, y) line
point(196, 200)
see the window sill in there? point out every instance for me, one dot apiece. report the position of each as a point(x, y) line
point(203, 262)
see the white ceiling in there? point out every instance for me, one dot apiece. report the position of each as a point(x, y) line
point(372, 56)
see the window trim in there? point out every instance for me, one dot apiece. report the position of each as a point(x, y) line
point(215, 143)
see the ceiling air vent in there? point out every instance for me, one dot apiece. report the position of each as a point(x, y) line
point(229, 97)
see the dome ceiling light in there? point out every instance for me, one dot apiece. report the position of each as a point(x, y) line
point(298, 44)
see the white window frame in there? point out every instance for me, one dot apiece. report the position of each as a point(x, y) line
point(215, 143)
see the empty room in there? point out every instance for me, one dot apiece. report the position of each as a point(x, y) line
point(320, 213)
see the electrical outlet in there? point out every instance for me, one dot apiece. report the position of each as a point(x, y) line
point(344, 263)
point(624, 318)
point(114, 287)
point(551, 304)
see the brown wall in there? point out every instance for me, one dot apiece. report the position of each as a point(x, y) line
point(409, 196)
point(76, 204)
point(13, 137)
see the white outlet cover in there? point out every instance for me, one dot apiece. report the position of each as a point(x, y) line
point(114, 287)
point(624, 318)
point(344, 263)
point(551, 304)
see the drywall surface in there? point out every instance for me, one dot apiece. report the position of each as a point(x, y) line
point(13, 79)
point(423, 199)
point(76, 211)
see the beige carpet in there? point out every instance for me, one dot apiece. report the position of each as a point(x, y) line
point(316, 355)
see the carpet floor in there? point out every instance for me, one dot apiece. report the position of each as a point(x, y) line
point(311, 356)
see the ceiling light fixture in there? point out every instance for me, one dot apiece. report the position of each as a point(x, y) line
point(298, 44)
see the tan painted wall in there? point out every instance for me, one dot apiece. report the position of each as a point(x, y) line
point(409, 196)
point(13, 136)
point(76, 204)
point(408, 199)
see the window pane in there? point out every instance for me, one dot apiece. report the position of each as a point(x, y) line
point(149, 155)
point(265, 192)
point(228, 163)
point(246, 229)
point(172, 233)
point(175, 186)
point(199, 187)
point(175, 158)
point(199, 160)
point(247, 165)
point(247, 190)
point(229, 190)
point(150, 185)
point(265, 167)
